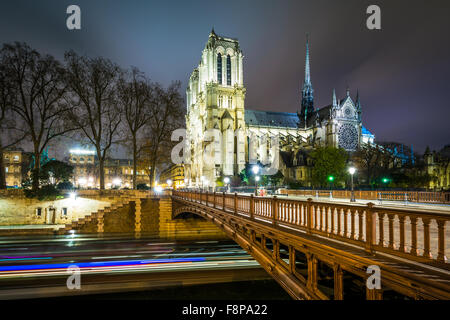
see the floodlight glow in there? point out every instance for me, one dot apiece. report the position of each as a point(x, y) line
point(117, 182)
point(81, 151)
point(169, 182)
point(226, 180)
point(73, 196)
point(158, 189)
point(255, 169)
point(82, 180)
point(257, 178)
point(352, 170)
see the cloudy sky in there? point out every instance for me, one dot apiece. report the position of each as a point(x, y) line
point(402, 71)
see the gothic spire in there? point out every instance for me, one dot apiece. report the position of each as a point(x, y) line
point(307, 67)
point(358, 104)
point(334, 98)
point(307, 109)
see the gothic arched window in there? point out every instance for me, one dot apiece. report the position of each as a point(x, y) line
point(219, 68)
point(228, 70)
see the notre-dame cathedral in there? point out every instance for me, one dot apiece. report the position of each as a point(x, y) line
point(223, 135)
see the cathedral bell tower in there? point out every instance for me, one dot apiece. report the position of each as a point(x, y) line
point(215, 118)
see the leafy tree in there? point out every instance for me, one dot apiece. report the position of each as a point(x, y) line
point(328, 161)
point(65, 185)
point(142, 186)
point(57, 170)
point(373, 161)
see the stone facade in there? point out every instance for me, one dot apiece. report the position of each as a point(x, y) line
point(222, 135)
point(118, 172)
point(16, 209)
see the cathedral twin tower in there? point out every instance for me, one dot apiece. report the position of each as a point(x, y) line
point(220, 131)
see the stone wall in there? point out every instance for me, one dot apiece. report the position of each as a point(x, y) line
point(185, 228)
point(19, 210)
point(148, 214)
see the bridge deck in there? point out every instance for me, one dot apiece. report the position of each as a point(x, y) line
point(307, 230)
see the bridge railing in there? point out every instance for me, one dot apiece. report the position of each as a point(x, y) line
point(411, 196)
point(413, 234)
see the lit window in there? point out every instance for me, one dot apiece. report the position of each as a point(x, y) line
point(6, 169)
point(64, 211)
point(16, 158)
point(230, 102)
point(219, 68)
point(228, 70)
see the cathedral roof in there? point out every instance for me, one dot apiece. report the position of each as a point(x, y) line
point(366, 132)
point(271, 119)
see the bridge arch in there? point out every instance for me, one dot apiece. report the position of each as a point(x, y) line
point(297, 259)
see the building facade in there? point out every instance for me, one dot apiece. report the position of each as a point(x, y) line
point(173, 176)
point(223, 135)
point(15, 162)
point(118, 172)
point(437, 165)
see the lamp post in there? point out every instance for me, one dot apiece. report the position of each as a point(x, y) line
point(331, 179)
point(226, 180)
point(352, 171)
point(202, 179)
point(255, 170)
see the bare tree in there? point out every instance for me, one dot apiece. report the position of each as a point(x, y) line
point(135, 93)
point(167, 114)
point(38, 82)
point(11, 131)
point(93, 84)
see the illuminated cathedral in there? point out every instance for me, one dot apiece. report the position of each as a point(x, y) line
point(223, 135)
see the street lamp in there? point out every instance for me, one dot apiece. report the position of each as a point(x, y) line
point(169, 182)
point(331, 179)
point(226, 180)
point(255, 170)
point(352, 171)
point(202, 179)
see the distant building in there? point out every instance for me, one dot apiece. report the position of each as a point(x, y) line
point(437, 165)
point(175, 174)
point(13, 162)
point(118, 172)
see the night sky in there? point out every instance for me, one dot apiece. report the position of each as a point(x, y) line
point(402, 71)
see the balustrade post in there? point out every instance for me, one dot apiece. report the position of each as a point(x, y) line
point(426, 238)
point(338, 282)
point(235, 203)
point(309, 218)
point(413, 236)
point(401, 220)
point(252, 206)
point(371, 228)
point(274, 210)
point(441, 241)
point(223, 201)
point(214, 199)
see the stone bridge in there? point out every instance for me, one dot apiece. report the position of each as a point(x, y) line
point(332, 251)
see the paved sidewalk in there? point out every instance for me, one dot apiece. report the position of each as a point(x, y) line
point(431, 207)
point(32, 227)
